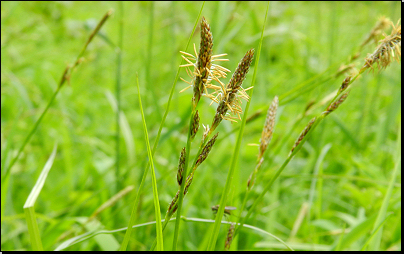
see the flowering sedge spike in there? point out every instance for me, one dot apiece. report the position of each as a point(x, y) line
point(205, 151)
point(204, 62)
point(268, 127)
point(204, 69)
point(195, 125)
point(230, 99)
point(303, 134)
point(335, 104)
point(390, 47)
point(265, 139)
point(181, 166)
point(229, 237)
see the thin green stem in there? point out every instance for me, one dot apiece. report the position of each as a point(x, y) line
point(118, 94)
point(183, 183)
point(65, 77)
point(216, 227)
point(278, 172)
point(135, 204)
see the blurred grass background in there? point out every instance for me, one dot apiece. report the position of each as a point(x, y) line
point(354, 148)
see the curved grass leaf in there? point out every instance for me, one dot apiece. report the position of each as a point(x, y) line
point(29, 210)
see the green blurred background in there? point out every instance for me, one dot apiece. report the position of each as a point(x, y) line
point(303, 41)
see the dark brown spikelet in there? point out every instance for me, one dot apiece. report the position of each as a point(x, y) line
point(228, 100)
point(345, 84)
point(205, 151)
point(268, 126)
point(195, 125)
point(188, 182)
point(172, 208)
point(303, 134)
point(204, 62)
point(173, 205)
point(181, 164)
point(229, 237)
point(335, 104)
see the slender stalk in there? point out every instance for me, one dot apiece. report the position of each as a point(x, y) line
point(216, 227)
point(183, 183)
point(118, 94)
point(65, 77)
point(135, 204)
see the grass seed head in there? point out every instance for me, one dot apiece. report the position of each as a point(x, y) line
point(388, 49)
point(229, 237)
point(336, 103)
point(230, 98)
point(303, 133)
point(195, 125)
point(173, 205)
point(345, 84)
point(181, 165)
point(204, 62)
point(268, 127)
point(205, 151)
point(204, 69)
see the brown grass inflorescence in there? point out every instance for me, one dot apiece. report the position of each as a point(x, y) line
point(303, 133)
point(268, 126)
point(181, 165)
point(229, 238)
point(230, 98)
point(389, 48)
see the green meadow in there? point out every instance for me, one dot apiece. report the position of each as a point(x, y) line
point(77, 143)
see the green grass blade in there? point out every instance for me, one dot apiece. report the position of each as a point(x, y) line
point(154, 181)
point(33, 230)
point(375, 232)
point(219, 215)
point(357, 232)
point(29, 210)
point(135, 204)
point(375, 244)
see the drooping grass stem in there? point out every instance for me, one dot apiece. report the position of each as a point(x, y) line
point(65, 77)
